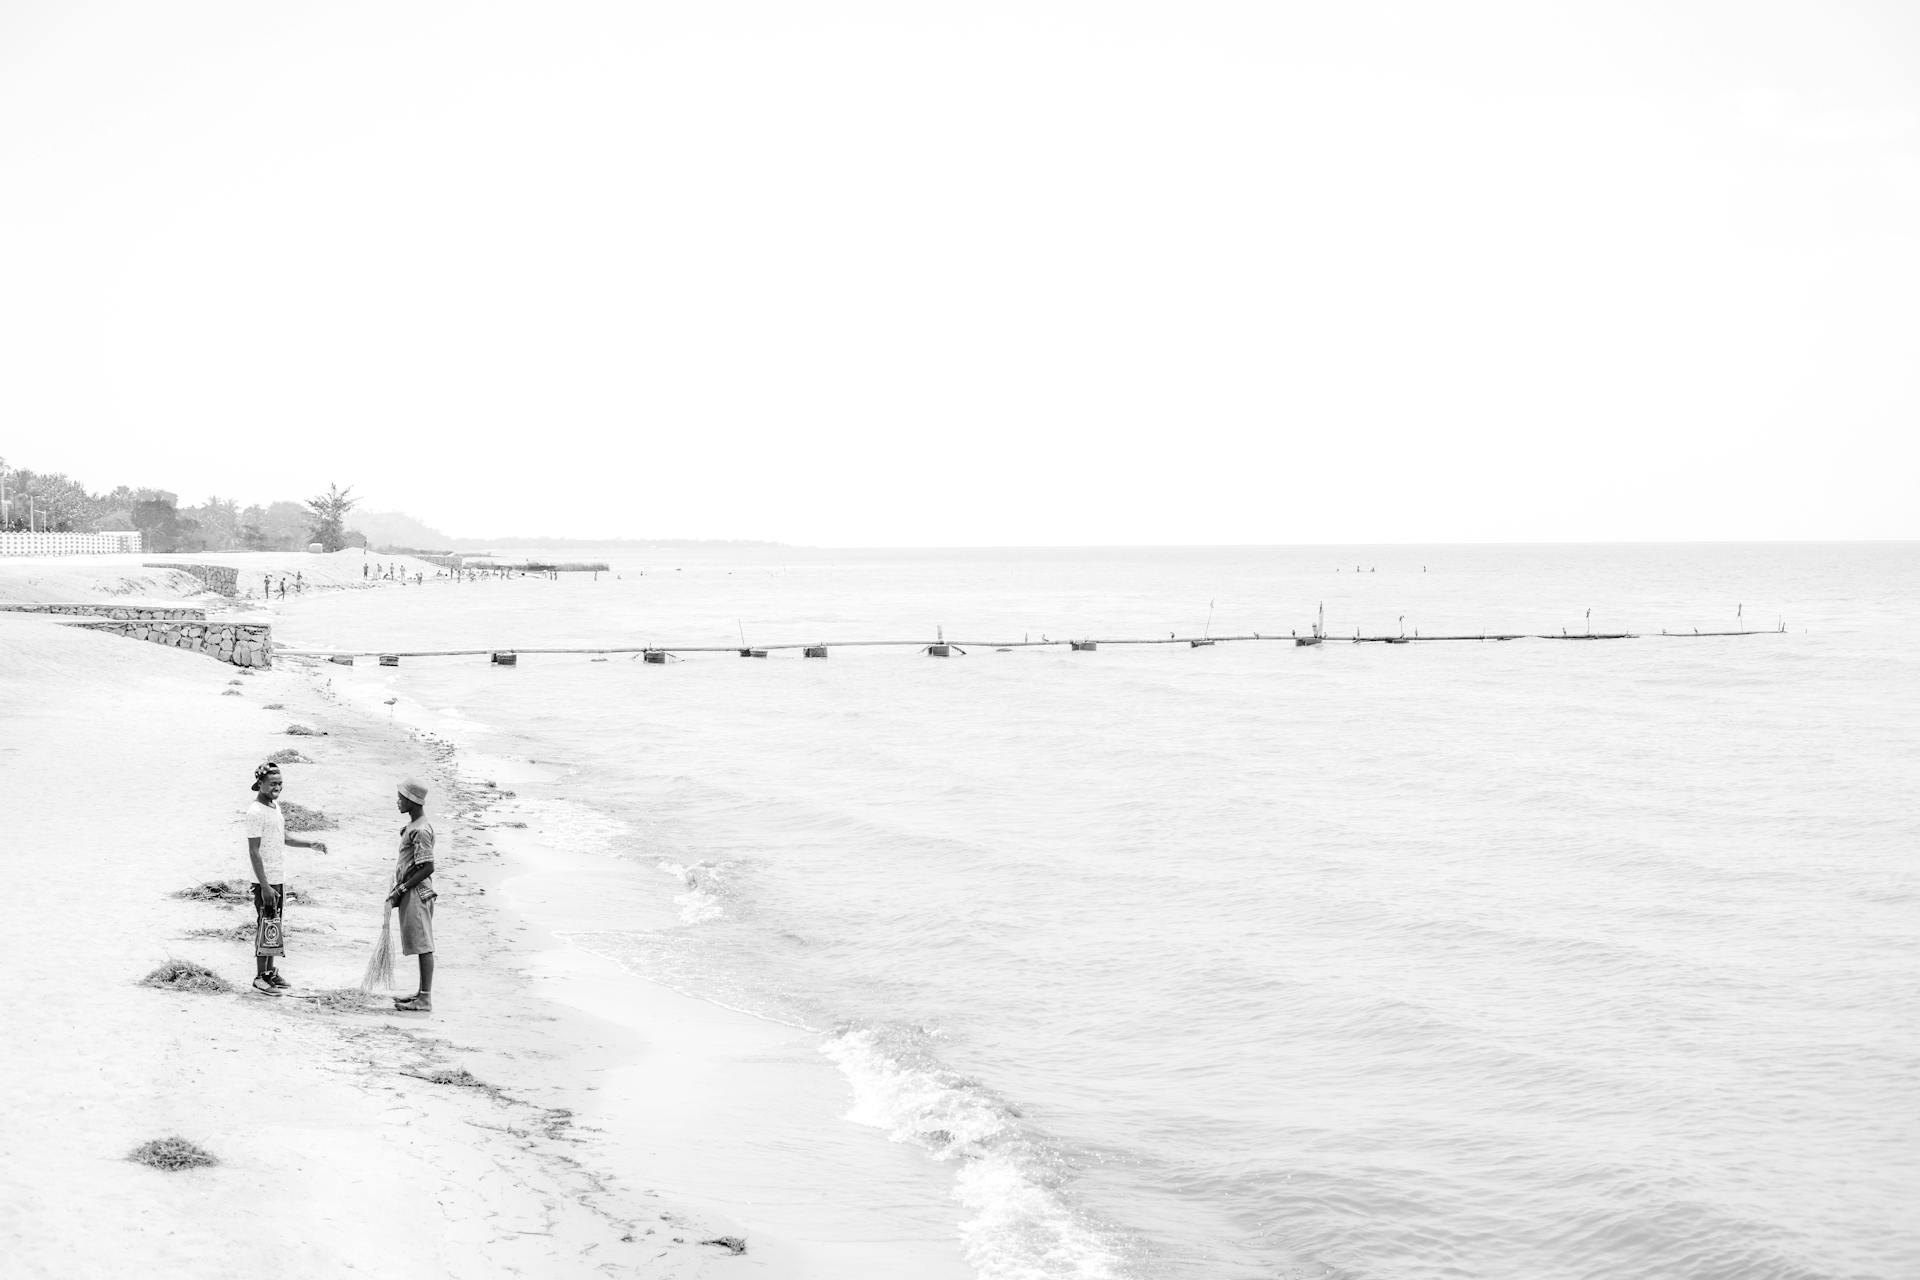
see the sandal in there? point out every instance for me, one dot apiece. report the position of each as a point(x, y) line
point(422, 1003)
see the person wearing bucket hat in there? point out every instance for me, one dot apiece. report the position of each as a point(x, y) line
point(413, 892)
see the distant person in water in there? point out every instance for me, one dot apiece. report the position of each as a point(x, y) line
point(413, 893)
point(266, 831)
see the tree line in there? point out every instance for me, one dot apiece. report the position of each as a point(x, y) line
point(53, 503)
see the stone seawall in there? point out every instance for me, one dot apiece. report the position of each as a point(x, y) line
point(125, 613)
point(214, 577)
point(241, 643)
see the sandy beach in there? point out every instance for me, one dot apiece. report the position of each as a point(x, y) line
point(554, 1116)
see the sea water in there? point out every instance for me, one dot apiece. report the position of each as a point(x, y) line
point(1529, 958)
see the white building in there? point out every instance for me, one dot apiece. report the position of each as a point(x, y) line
point(114, 542)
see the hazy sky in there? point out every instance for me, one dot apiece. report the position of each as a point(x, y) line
point(903, 273)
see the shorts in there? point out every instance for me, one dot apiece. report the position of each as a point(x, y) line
point(263, 945)
point(416, 923)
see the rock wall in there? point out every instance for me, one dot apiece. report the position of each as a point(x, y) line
point(215, 577)
point(127, 613)
point(241, 643)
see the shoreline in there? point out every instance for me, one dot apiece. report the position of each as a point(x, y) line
point(713, 1101)
point(598, 1088)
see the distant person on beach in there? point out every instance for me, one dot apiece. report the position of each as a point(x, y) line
point(266, 829)
point(413, 893)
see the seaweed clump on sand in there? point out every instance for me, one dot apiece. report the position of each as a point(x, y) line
point(185, 975)
point(231, 933)
point(232, 892)
point(459, 1077)
point(342, 1000)
point(301, 818)
point(172, 1154)
point(218, 891)
point(305, 731)
point(288, 756)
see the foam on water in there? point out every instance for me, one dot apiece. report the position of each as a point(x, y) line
point(1521, 960)
point(1018, 1225)
point(704, 899)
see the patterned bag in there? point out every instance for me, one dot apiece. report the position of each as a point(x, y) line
point(270, 938)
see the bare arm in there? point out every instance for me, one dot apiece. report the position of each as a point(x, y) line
point(259, 871)
point(420, 871)
point(298, 843)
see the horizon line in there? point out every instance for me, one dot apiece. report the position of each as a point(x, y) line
point(1143, 546)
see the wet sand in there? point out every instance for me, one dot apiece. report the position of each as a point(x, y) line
point(614, 1124)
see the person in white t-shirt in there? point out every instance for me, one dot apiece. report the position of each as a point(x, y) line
point(266, 829)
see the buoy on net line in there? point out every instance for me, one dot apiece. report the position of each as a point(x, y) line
point(940, 648)
point(747, 651)
point(1206, 632)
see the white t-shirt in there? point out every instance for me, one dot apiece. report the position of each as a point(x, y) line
point(269, 825)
